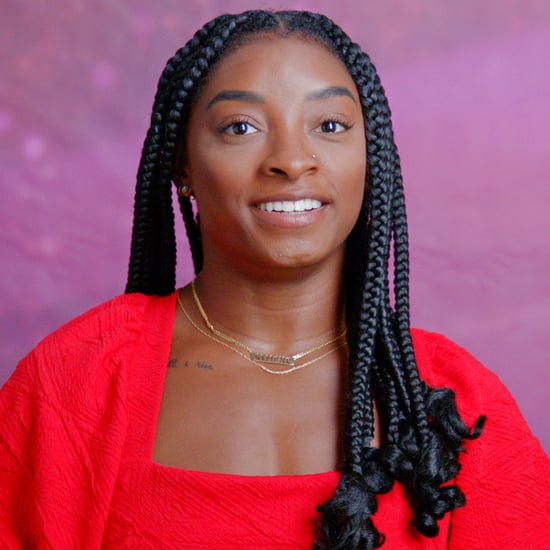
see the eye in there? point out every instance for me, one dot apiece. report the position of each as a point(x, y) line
point(333, 126)
point(238, 128)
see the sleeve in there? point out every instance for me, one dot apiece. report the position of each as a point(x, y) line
point(505, 473)
point(62, 428)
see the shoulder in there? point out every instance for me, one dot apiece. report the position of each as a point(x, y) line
point(443, 363)
point(97, 325)
point(98, 331)
point(87, 354)
point(442, 360)
point(504, 474)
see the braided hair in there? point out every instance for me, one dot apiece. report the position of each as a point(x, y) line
point(423, 432)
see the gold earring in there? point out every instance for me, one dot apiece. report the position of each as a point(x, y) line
point(184, 190)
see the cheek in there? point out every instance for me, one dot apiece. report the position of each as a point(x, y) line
point(219, 167)
point(218, 189)
point(355, 191)
point(355, 169)
point(206, 177)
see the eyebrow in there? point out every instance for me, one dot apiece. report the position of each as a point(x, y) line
point(331, 91)
point(236, 95)
point(252, 97)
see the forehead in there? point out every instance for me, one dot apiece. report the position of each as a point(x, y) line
point(276, 63)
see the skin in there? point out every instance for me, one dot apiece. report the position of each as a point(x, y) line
point(271, 280)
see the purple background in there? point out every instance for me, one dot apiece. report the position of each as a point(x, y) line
point(469, 86)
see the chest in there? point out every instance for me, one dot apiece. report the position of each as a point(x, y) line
point(233, 418)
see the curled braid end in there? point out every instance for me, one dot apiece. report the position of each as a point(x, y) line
point(437, 462)
point(442, 408)
point(348, 524)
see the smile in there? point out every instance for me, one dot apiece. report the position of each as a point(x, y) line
point(301, 205)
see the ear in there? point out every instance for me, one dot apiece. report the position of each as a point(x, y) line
point(181, 178)
point(183, 184)
point(181, 173)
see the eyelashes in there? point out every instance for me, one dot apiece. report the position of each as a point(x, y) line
point(243, 126)
point(333, 125)
point(238, 126)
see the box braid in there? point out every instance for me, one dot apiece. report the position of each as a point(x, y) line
point(422, 430)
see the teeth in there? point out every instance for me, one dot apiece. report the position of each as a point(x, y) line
point(302, 205)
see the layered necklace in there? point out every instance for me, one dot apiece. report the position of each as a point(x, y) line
point(256, 357)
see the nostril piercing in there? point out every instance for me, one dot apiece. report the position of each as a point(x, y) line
point(314, 156)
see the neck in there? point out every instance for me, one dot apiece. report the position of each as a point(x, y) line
point(274, 316)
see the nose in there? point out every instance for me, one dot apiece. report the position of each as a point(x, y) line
point(289, 159)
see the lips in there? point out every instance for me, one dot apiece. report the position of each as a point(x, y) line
point(289, 207)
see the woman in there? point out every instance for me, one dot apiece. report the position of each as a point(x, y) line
point(292, 411)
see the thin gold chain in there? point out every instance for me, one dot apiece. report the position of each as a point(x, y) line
point(254, 355)
point(247, 357)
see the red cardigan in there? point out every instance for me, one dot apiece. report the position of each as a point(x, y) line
point(77, 427)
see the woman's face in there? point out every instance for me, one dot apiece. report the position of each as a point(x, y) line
point(275, 155)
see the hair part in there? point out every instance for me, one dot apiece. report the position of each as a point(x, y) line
point(422, 430)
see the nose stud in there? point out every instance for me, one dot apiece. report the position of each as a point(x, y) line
point(313, 156)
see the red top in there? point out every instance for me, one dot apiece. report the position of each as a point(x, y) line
point(78, 422)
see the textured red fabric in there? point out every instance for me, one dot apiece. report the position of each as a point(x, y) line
point(78, 418)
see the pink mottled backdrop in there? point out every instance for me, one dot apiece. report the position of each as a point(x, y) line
point(469, 84)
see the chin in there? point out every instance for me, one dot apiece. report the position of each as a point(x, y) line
point(307, 260)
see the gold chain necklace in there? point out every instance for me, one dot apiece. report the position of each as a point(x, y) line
point(247, 357)
point(254, 356)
